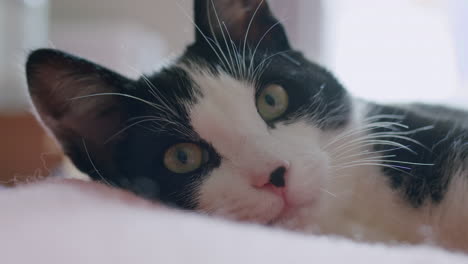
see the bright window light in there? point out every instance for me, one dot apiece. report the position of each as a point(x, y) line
point(393, 51)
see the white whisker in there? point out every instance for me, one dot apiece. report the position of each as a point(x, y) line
point(258, 45)
point(94, 166)
point(203, 35)
point(248, 31)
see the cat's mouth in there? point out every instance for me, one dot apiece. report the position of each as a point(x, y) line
point(283, 214)
point(291, 213)
point(279, 191)
point(294, 218)
point(287, 206)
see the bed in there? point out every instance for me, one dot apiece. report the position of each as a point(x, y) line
point(78, 222)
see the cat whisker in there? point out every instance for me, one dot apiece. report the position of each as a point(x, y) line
point(248, 31)
point(380, 117)
point(157, 107)
point(386, 161)
point(365, 153)
point(262, 63)
point(349, 146)
point(258, 45)
point(377, 135)
point(165, 105)
point(158, 96)
point(224, 37)
point(369, 142)
point(362, 129)
point(197, 28)
point(328, 192)
point(119, 94)
point(234, 51)
point(94, 166)
point(394, 167)
point(128, 127)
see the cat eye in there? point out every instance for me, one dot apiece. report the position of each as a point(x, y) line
point(184, 158)
point(272, 102)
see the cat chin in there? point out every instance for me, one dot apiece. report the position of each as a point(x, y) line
point(283, 217)
point(267, 217)
point(298, 219)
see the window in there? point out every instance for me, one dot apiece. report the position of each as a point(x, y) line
point(389, 51)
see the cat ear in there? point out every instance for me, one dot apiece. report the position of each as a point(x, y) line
point(249, 21)
point(73, 98)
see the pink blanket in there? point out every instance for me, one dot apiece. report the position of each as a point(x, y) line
point(72, 222)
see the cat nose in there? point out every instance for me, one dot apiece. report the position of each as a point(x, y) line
point(274, 176)
point(277, 177)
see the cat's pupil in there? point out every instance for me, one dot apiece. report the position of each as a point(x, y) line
point(182, 156)
point(270, 100)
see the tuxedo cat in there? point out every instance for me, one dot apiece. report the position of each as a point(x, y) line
point(244, 127)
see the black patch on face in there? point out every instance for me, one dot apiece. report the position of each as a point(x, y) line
point(314, 94)
point(141, 159)
point(117, 130)
point(445, 145)
point(140, 156)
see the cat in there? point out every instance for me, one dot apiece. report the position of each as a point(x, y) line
point(244, 127)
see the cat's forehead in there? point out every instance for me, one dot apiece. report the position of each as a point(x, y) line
point(191, 97)
point(220, 88)
point(208, 95)
point(225, 110)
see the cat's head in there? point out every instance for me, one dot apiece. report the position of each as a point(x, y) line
point(235, 127)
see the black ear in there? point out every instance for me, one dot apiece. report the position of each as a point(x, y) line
point(73, 98)
point(248, 22)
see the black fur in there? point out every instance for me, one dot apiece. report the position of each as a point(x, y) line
point(443, 147)
point(314, 93)
point(239, 22)
point(140, 156)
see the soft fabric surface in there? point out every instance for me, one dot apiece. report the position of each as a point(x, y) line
point(73, 222)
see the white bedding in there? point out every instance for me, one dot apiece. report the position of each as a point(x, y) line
point(56, 222)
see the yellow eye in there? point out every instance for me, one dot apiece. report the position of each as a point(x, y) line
point(184, 158)
point(272, 102)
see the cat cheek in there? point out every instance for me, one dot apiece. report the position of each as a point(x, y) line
point(306, 181)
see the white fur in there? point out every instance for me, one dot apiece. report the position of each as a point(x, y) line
point(227, 118)
point(69, 223)
point(356, 202)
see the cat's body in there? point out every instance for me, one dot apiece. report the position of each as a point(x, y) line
point(243, 127)
point(422, 202)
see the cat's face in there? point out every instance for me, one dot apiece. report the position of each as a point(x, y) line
point(236, 133)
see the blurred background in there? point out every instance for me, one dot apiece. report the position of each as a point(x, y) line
point(389, 51)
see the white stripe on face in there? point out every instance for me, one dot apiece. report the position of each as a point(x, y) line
point(226, 117)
